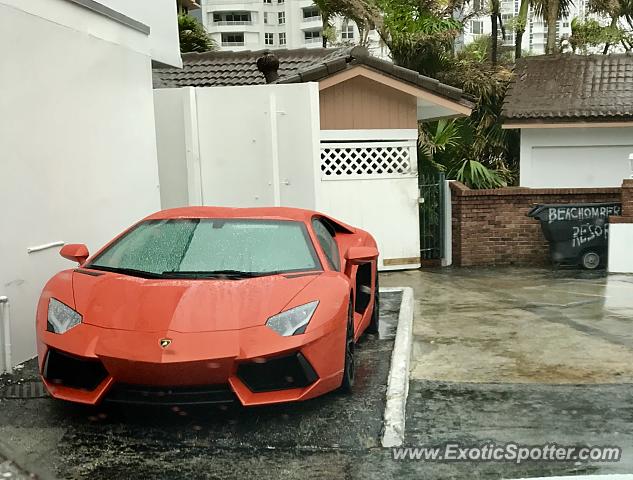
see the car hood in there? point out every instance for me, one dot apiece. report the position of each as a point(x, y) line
point(117, 301)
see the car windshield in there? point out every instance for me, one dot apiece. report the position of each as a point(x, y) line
point(208, 247)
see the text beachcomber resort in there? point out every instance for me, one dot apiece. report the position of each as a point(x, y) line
point(509, 452)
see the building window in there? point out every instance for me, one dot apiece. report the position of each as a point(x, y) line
point(282, 39)
point(477, 27)
point(280, 1)
point(268, 39)
point(281, 17)
point(232, 39)
point(265, 17)
point(313, 36)
point(232, 18)
point(347, 32)
point(565, 24)
point(310, 14)
point(268, 1)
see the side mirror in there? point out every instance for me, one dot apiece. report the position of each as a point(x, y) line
point(358, 255)
point(77, 252)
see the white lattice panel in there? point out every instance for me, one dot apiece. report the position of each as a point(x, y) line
point(370, 159)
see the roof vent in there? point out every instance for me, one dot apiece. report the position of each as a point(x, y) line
point(268, 64)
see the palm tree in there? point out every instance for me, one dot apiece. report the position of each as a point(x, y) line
point(494, 20)
point(551, 11)
point(519, 27)
point(358, 11)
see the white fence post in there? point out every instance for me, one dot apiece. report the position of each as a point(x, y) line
point(5, 323)
point(447, 261)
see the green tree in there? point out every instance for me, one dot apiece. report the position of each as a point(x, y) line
point(519, 27)
point(193, 36)
point(360, 11)
point(420, 35)
point(591, 34)
point(551, 11)
point(616, 10)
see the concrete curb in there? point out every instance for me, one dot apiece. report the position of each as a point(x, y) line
point(398, 383)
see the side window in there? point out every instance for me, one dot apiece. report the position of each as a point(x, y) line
point(328, 244)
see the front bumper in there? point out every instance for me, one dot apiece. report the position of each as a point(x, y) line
point(89, 364)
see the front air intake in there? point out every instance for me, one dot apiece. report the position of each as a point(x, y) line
point(74, 372)
point(281, 373)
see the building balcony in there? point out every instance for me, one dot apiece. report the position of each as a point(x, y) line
point(311, 23)
point(233, 44)
point(224, 23)
point(310, 41)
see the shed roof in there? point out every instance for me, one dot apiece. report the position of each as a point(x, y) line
point(571, 88)
point(295, 66)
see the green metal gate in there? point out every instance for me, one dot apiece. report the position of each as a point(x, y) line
point(431, 216)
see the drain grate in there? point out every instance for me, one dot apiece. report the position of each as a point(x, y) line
point(24, 390)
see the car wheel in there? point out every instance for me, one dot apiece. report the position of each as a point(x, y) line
point(590, 260)
point(349, 371)
point(375, 314)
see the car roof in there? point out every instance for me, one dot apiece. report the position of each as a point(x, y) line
point(269, 213)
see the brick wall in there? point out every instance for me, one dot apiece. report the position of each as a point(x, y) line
point(490, 227)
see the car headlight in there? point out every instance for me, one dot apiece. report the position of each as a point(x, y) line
point(61, 317)
point(293, 321)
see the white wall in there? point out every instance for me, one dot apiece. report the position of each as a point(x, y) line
point(77, 156)
point(621, 248)
point(234, 153)
point(159, 15)
point(172, 120)
point(575, 157)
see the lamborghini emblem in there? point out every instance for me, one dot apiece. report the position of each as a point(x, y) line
point(165, 342)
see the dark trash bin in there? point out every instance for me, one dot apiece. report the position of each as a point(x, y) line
point(577, 233)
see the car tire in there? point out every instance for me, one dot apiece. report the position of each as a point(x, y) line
point(349, 371)
point(374, 323)
point(591, 260)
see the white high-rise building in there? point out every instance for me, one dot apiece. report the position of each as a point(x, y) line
point(535, 36)
point(260, 24)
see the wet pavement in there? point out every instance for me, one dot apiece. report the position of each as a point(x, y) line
point(520, 355)
point(521, 325)
point(10, 471)
point(327, 434)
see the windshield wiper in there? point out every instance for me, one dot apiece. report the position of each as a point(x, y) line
point(214, 274)
point(126, 271)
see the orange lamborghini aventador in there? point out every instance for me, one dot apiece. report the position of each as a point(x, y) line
point(208, 305)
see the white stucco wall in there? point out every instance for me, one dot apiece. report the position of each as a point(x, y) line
point(575, 157)
point(172, 137)
point(620, 251)
point(77, 156)
point(161, 44)
point(226, 149)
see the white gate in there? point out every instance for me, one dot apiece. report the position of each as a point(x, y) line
point(373, 184)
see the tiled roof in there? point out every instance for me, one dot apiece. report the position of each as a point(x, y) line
point(571, 88)
point(211, 69)
point(219, 69)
